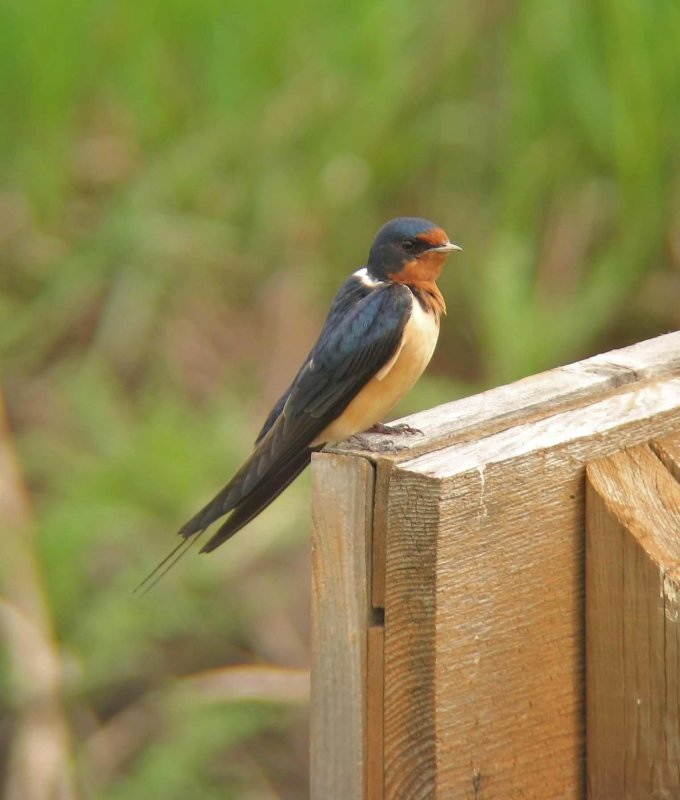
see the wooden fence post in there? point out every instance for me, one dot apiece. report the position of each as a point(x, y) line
point(470, 546)
point(632, 624)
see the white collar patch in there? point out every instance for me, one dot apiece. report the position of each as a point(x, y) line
point(366, 279)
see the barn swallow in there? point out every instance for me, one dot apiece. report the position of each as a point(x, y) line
point(378, 338)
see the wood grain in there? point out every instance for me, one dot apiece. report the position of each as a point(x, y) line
point(633, 627)
point(668, 450)
point(342, 518)
point(379, 535)
point(484, 639)
point(410, 637)
point(375, 714)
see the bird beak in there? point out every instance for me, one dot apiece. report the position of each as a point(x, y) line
point(449, 247)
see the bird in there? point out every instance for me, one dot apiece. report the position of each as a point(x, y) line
point(379, 335)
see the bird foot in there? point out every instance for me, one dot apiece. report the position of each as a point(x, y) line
point(363, 441)
point(386, 446)
point(402, 427)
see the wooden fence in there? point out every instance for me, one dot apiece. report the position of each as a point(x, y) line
point(496, 605)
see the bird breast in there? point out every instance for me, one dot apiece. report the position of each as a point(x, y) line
point(393, 381)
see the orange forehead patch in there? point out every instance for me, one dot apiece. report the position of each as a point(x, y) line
point(435, 237)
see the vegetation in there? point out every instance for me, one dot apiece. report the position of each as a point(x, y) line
point(184, 185)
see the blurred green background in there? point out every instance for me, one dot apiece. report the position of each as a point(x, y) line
point(183, 186)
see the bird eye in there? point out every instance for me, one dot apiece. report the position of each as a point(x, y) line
point(408, 244)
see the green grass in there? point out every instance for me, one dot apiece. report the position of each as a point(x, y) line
point(184, 185)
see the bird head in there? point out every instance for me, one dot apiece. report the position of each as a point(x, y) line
point(409, 250)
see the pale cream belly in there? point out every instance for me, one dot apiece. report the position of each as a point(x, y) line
point(379, 396)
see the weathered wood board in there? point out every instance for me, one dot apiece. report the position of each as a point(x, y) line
point(633, 624)
point(342, 511)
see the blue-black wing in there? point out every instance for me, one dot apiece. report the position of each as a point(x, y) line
point(350, 293)
point(362, 332)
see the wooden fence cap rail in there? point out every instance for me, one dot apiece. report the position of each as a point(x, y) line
point(530, 398)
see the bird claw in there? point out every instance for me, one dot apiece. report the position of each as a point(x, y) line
point(362, 441)
point(401, 427)
point(387, 445)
